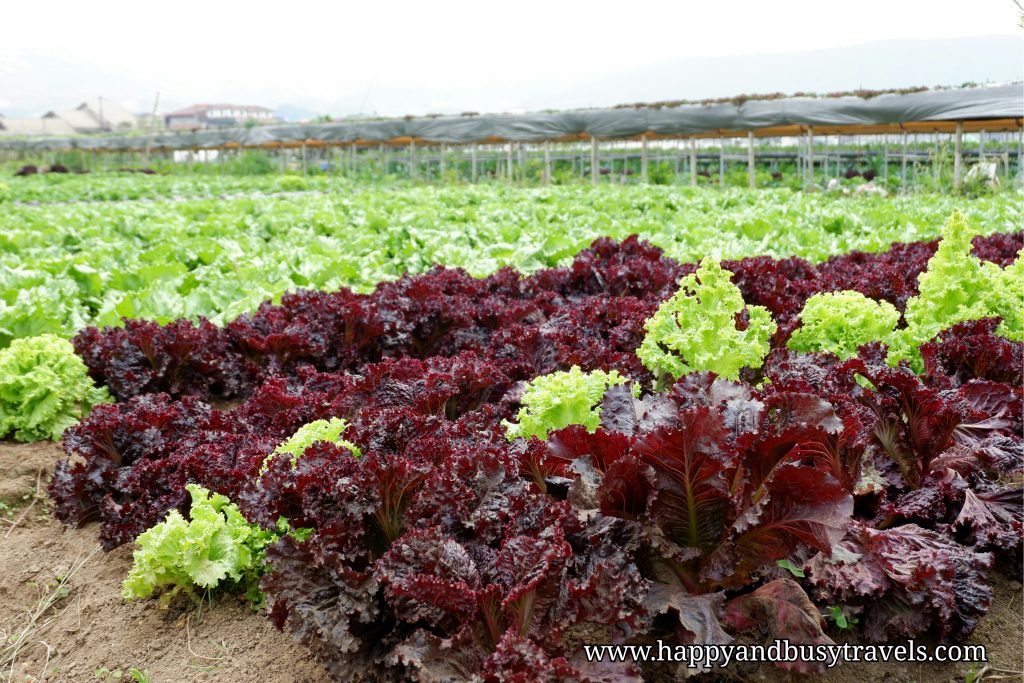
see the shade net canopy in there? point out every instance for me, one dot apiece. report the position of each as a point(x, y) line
point(882, 113)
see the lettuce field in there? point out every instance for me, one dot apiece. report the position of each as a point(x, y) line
point(460, 433)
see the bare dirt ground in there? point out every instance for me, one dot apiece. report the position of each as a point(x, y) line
point(90, 633)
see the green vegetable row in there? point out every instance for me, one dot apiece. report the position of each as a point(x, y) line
point(51, 188)
point(63, 267)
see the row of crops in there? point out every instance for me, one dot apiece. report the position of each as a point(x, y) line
point(68, 266)
point(47, 187)
point(695, 417)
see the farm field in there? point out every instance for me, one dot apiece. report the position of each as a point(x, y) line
point(460, 432)
point(63, 188)
point(68, 266)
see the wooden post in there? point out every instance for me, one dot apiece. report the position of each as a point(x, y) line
point(693, 162)
point(521, 160)
point(644, 161)
point(547, 162)
point(958, 159)
point(352, 157)
point(472, 163)
point(304, 164)
point(382, 149)
point(440, 161)
point(509, 168)
point(751, 174)
point(412, 158)
point(595, 172)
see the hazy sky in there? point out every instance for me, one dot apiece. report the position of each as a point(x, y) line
point(361, 55)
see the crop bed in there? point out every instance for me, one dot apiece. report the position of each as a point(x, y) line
point(699, 510)
point(463, 433)
point(65, 267)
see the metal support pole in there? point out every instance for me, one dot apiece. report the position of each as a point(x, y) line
point(303, 158)
point(547, 162)
point(810, 157)
point(903, 163)
point(693, 162)
point(440, 161)
point(885, 161)
point(509, 169)
point(472, 163)
point(751, 172)
point(800, 153)
point(644, 161)
point(721, 162)
point(1020, 153)
point(521, 160)
point(913, 170)
point(412, 158)
point(958, 159)
point(594, 170)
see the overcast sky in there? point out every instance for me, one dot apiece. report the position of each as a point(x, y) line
point(443, 55)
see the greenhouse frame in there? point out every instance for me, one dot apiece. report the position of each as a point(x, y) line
point(501, 145)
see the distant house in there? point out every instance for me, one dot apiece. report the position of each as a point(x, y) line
point(27, 126)
point(95, 116)
point(217, 116)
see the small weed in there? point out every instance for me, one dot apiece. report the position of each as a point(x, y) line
point(14, 637)
point(841, 620)
point(103, 673)
point(791, 568)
